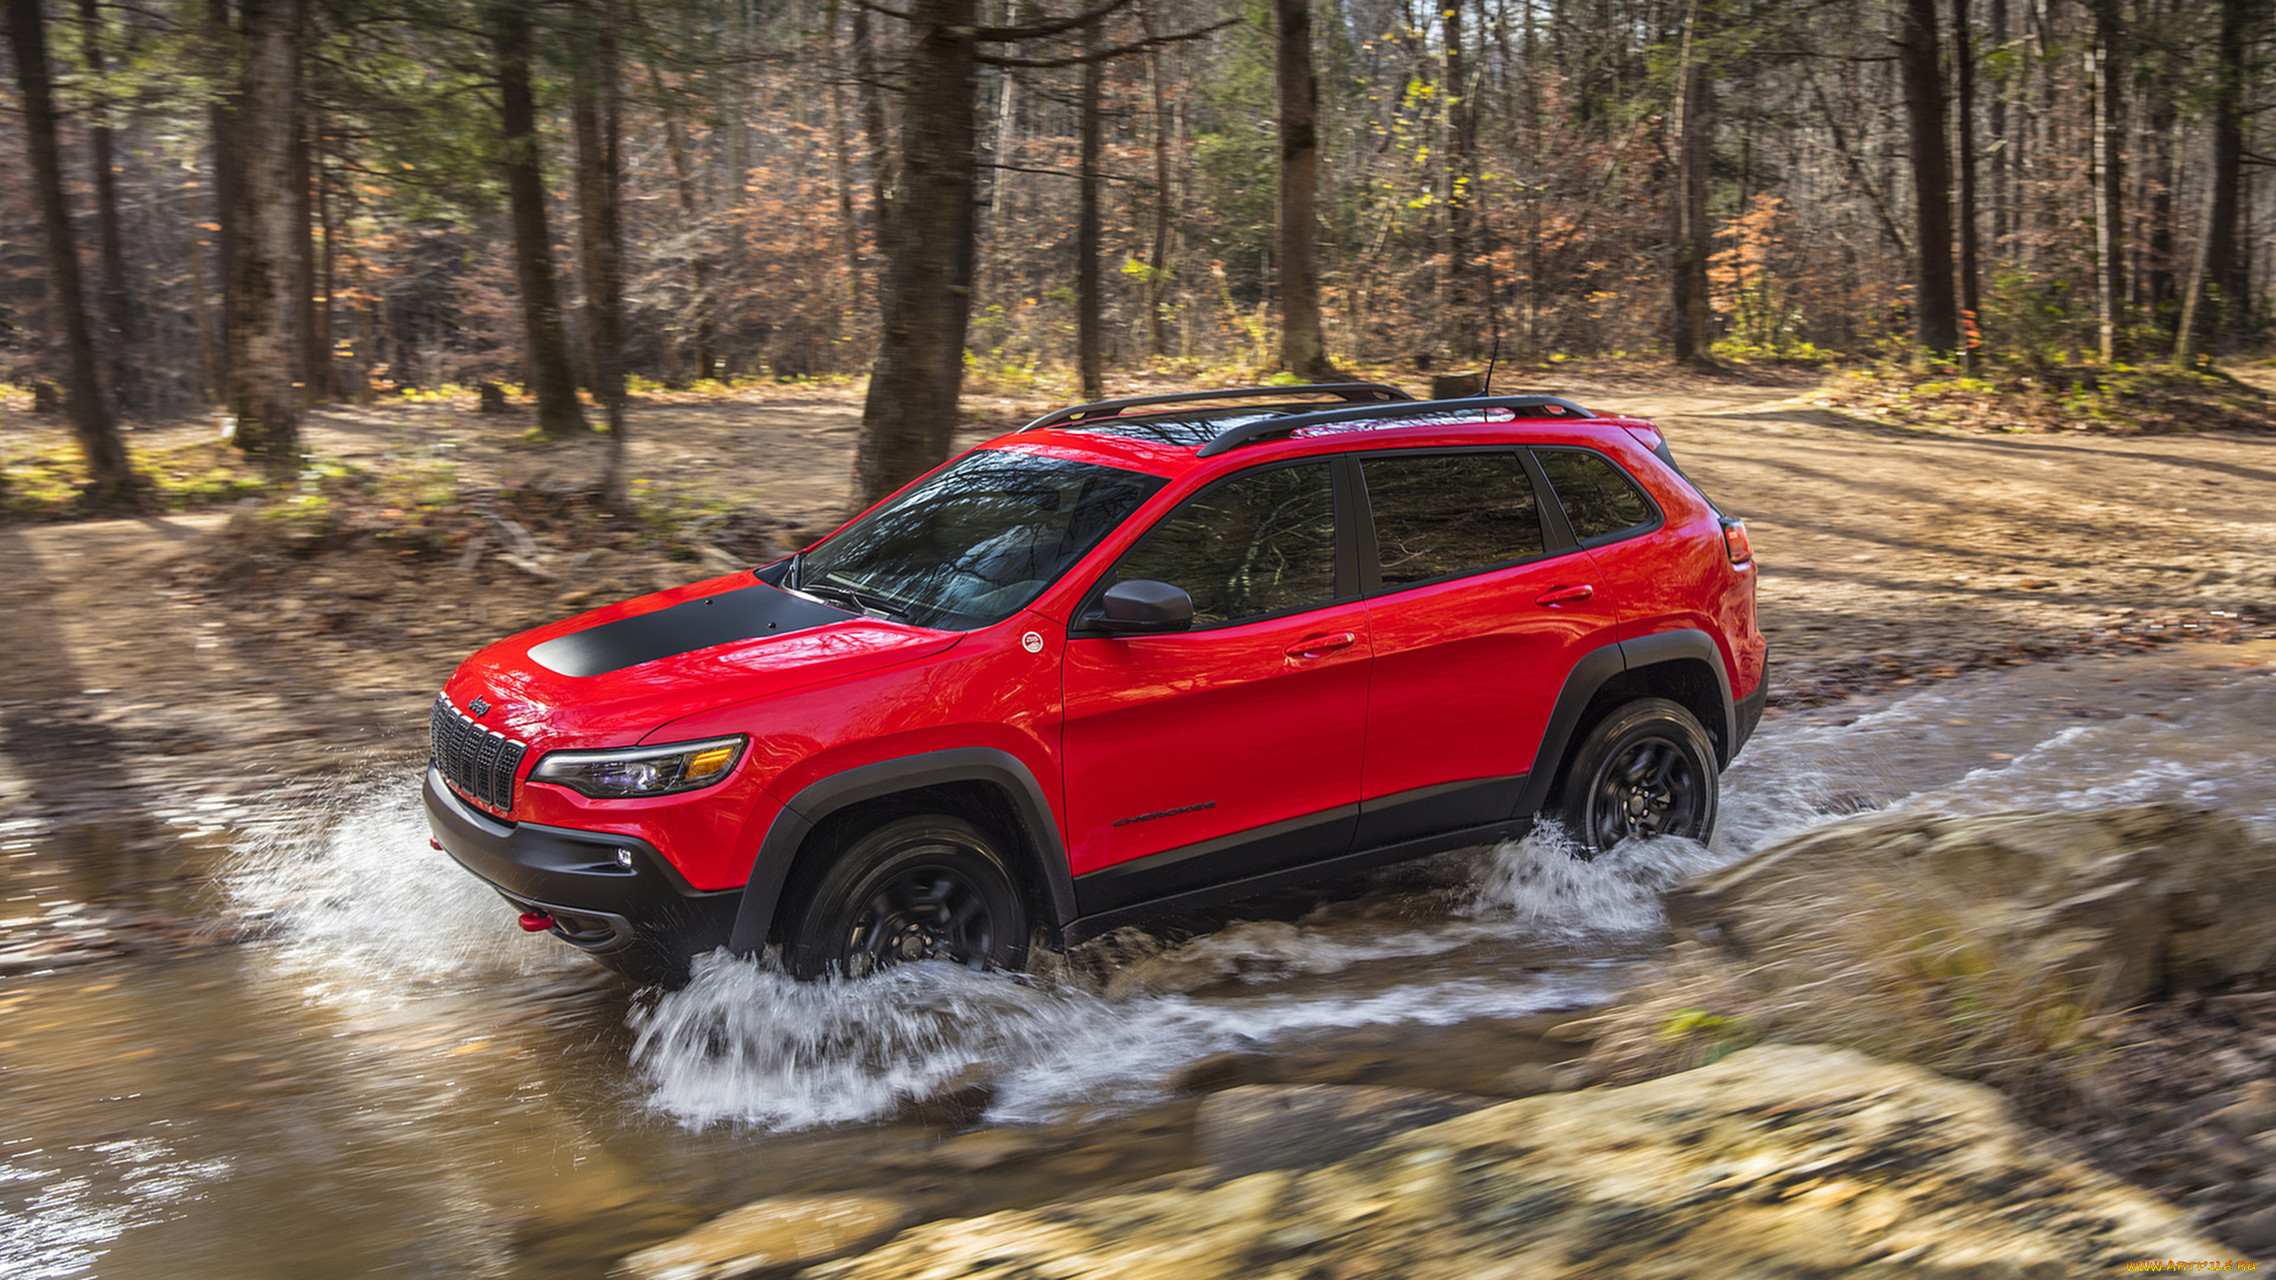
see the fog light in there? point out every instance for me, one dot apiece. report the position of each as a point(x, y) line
point(624, 858)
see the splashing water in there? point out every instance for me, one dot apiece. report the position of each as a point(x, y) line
point(357, 897)
point(360, 903)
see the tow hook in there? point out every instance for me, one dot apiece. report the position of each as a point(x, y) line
point(536, 921)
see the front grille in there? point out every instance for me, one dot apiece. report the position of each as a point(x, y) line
point(478, 762)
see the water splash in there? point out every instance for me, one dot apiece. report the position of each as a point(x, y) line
point(353, 893)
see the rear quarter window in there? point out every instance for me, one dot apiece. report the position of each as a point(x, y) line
point(1601, 502)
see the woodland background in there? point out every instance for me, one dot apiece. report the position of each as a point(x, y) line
point(268, 205)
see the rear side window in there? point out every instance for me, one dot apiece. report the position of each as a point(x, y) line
point(1599, 498)
point(1445, 514)
point(1251, 545)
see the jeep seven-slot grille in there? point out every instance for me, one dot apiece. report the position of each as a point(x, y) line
point(476, 761)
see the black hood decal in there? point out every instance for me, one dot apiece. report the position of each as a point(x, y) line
point(747, 613)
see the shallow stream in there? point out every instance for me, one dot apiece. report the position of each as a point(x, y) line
point(389, 1078)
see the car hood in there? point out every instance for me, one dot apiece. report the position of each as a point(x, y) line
point(611, 676)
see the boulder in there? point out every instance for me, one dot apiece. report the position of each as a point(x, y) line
point(771, 1237)
point(1260, 1126)
point(2121, 905)
point(1783, 1161)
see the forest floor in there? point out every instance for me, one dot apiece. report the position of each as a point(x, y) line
point(236, 651)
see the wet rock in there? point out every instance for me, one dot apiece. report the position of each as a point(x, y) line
point(957, 1102)
point(1222, 1071)
point(2253, 1234)
point(2125, 903)
point(975, 1152)
point(1779, 1161)
point(1257, 1127)
point(2254, 1113)
point(1529, 1079)
point(771, 1237)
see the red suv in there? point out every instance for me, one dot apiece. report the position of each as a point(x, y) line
point(1135, 657)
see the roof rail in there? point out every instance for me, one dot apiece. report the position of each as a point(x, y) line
point(1236, 436)
point(1354, 391)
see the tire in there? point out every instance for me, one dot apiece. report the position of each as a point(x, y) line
point(928, 887)
point(1645, 770)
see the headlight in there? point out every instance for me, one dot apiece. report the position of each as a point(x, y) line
point(641, 771)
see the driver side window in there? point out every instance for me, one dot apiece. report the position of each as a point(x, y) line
point(1252, 545)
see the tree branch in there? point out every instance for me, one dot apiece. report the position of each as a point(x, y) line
point(1104, 55)
point(1037, 30)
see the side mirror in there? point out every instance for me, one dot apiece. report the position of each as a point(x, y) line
point(1143, 608)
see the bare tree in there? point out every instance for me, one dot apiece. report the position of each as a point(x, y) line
point(2205, 303)
point(260, 305)
point(1693, 131)
point(2106, 60)
point(1938, 324)
point(1303, 346)
point(90, 416)
point(558, 414)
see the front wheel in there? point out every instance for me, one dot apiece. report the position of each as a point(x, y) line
point(1645, 770)
point(930, 887)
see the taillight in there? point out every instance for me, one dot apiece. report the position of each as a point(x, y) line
point(1735, 541)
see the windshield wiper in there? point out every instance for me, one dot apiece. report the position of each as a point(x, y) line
point(860, 602)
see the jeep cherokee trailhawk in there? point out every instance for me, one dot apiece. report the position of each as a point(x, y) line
point(1132, 658)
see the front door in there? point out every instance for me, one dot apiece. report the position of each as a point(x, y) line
point(1231, 749)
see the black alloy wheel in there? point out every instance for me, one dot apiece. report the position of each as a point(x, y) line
point(930, 887)
point(1645, 770)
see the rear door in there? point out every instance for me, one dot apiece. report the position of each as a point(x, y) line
point(1234, 748)
point(1478, 607)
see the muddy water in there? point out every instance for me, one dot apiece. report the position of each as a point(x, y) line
point(390, 1079)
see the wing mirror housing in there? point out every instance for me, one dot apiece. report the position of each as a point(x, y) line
point(1143, 608)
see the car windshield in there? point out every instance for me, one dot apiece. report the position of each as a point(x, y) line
point(976, 541)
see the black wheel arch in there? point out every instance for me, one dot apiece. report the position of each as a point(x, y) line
point(1682, 666)
point(990, 788)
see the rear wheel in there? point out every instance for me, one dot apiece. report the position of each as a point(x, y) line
point(929, 887)
point(1645, 770)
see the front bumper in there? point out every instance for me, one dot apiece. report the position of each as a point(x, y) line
point(641, 920)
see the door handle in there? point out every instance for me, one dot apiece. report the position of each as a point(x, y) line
point(1316, 646)
point(1565, 595)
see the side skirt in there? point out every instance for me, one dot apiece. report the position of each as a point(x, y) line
point(1090, 926)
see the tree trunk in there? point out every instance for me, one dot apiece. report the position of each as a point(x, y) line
point(596, 108)
point(1964, 75)
point(925, 297)
point(1158, 243)
point(111, 477)
point(2109, 78)
point(1938, 325)
point(201, 308)
point(870, 100)
point(598, 240)
point(2002, 148)
point(558, 413)
point(1459, 315)
point(1303, 348)
point(841, 163)
point(1088, 364)
point(261, 307)
point(1694, 130)
point(315, 355)
point(699, 257)
point(228, 181)
point(118, 317)
point(2208, 300)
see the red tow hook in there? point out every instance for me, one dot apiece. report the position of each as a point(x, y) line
point(536, 921)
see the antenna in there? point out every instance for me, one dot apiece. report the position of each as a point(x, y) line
point(1497, 354)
